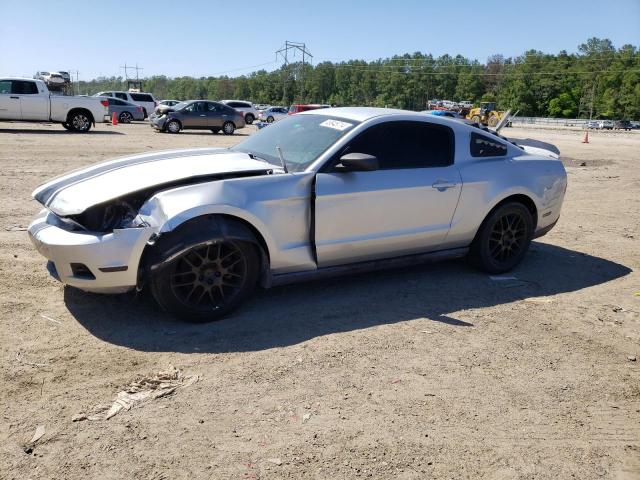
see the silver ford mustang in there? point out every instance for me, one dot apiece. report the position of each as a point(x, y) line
point(321, 193)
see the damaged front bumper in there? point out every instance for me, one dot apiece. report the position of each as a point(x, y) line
point(93, 262)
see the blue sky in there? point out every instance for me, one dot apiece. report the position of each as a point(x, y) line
point(202, 38)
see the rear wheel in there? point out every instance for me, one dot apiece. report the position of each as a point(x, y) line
point(249, 118)
point(207, 281)
point(173, 126)
point(228, 128)
point(493, 121)
point(125, 117)
point(269, 119)
point(503, 238)
point(79, 122)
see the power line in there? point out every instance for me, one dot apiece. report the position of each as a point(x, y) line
point(283, 52)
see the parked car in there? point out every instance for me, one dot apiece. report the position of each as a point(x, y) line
point(593, 124)
point(322, 193)
point(466, 104)
point(248, 110)
point(605, 124)
point(168, 103)
point(126, 112)
point(145, 100)
point(448, 104)
point(623, 125)
point(443, 113)
point(30, 100)
point(298, 107)
point(261, 106)
point(200, 115)
point(273, 114)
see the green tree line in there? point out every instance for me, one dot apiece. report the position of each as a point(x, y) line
point(599, 80)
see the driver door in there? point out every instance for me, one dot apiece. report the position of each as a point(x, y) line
point(404, 207)
point(195, 116)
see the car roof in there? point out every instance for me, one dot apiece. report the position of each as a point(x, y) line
point(360, 114)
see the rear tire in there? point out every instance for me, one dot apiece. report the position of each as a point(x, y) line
point(228, 128)
point(125, 117)
point(503, 238)
point(249, 118)
point(207, 281)
point(269, 119)
point(79, 122)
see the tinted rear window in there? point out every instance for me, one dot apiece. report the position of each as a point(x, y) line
point(484, 146)
point(142, 97)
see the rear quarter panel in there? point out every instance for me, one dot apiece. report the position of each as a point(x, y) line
point(61, 105)
point(486, 182)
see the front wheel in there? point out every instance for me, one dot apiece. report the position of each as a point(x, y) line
point(503, 239)
point(207, 281)
point(228, 128)
point(173, 126)
point(269, 119)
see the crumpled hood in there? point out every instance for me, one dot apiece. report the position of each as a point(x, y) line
point(75, 192)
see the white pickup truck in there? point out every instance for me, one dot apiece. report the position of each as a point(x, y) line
point(29, 100)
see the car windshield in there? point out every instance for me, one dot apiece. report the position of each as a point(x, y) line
point(302, 139)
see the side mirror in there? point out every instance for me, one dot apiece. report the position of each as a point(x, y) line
point(357, 162)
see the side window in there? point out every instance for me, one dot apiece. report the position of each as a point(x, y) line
point(112, 101)
point(24, 88)
point(121, 96)
point(5, 86)
point(190, 108)
point(406, 144)
point(214, 107)
point(141, 97)
point(120, 103)
point(484, 146)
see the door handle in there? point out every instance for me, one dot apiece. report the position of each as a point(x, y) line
point(15, 98)
point(442, 185)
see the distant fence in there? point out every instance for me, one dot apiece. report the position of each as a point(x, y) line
point(556, 122)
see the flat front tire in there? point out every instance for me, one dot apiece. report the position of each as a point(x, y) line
point(207, 281)
point(503, 239)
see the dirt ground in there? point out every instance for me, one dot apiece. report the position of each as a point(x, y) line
point(430, 372)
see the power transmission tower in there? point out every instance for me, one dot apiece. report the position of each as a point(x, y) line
point(131, 83)
point(283, 52)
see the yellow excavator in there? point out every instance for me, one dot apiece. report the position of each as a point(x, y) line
point(486, 114)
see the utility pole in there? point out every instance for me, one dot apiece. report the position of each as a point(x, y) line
point(283, 52)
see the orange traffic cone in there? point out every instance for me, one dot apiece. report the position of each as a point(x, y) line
point(586, 137)
point(114, 119)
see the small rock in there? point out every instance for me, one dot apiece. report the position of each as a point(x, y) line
point(78, 417)
point(275, 461)
point(617, 309)
point(583, 164)
point(631, 358)
point(306, 417)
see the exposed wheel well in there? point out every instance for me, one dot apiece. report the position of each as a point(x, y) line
point(233, 226)
point(73, 111)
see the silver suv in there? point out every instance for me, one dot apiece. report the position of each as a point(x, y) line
point(248, 110)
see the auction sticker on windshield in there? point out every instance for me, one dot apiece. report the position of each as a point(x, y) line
point(336, 124)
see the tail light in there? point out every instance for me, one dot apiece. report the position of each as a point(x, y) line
point(105, 103)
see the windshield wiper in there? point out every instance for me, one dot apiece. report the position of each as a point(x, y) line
point(282, 161)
